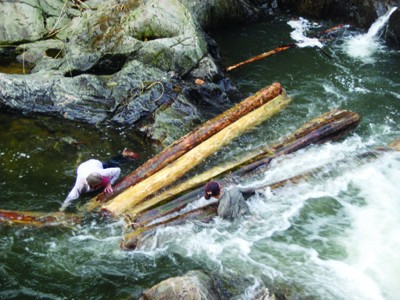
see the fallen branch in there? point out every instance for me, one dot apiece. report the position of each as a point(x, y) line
point(261, 56)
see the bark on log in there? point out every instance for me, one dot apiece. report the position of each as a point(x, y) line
point(191, 140)
point(39, 219)
point(192, 158)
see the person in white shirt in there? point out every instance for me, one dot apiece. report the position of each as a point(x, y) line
point(94, 175)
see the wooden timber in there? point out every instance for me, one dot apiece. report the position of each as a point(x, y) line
point(192, 158)
point(329, 126)
point(191, 140)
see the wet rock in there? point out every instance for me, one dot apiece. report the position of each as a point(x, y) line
point(30, 20)
point(121, 62)
point(193, 285)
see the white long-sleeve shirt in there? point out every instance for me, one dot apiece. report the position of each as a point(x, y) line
point(84, 169)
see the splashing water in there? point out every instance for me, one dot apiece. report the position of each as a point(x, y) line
point(365, 45)
point(300, 26)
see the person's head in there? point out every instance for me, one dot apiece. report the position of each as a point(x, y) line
point(94, 180)
point(212, 189)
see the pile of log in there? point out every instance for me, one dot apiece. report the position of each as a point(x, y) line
point(327, 127)
point(191, 150)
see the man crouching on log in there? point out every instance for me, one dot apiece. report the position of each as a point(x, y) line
point(231, 203)
point(93, 175)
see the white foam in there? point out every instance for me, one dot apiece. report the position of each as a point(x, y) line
point(300, 26)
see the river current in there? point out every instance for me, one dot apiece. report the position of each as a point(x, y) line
point(335, 235)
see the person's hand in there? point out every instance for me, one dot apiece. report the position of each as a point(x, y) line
point(108, 189)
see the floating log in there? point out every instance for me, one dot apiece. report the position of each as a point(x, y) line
point(260, 56)
point(174, 171)
point(205, 214)
point(277, 50)
point(191, 140)
point(39, 219)
point(199, 179)
point(328, 126)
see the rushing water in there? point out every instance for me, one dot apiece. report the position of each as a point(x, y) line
point(335, 235)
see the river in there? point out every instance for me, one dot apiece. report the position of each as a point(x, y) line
point(335, 235)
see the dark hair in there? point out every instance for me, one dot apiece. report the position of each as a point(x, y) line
point(212, 189)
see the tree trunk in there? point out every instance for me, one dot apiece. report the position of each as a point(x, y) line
point(191, 140)
point(192, 158)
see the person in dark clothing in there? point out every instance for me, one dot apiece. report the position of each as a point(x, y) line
point(231, 203)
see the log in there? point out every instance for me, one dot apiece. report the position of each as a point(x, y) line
point(191, 140)
point(39, 219)
point(192, 158)
point(328, 126)
point(260, 56)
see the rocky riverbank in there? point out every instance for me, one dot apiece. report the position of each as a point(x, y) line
point(147, 65)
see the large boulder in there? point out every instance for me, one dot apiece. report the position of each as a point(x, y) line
point(195, 285)
point(130, 62)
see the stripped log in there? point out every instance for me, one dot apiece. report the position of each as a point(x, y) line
point(277, 50)
point(328, 126)
point(191, 140)
point(39, 219)
point(174, 171)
